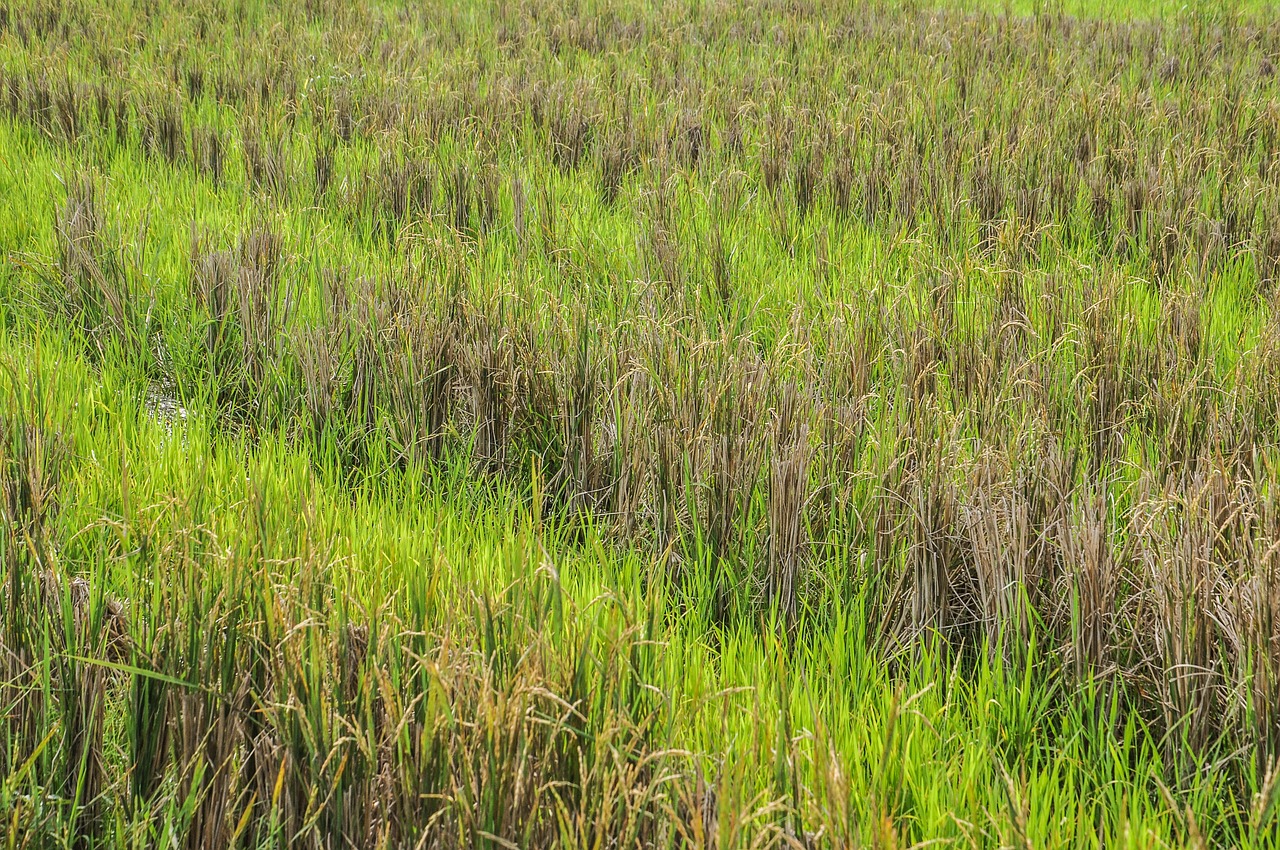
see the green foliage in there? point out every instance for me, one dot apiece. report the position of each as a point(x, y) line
point(639, 424)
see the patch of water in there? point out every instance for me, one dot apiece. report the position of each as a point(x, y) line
point(163, 405)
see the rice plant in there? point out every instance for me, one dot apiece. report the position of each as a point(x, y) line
point(639, 424)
